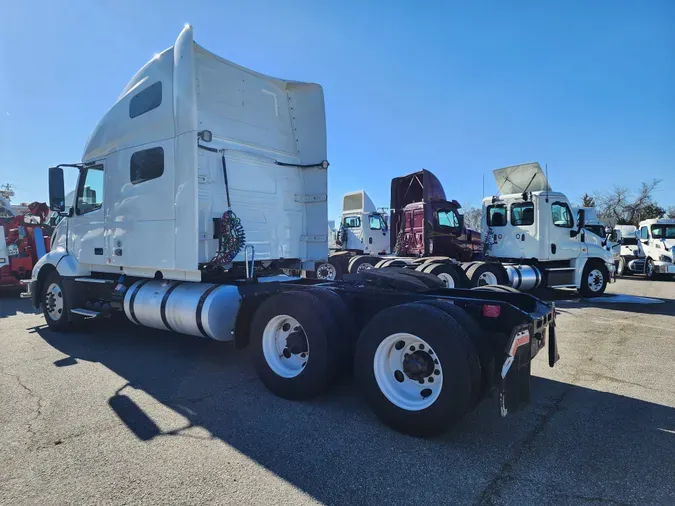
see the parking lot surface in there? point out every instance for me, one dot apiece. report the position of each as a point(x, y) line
point(118, 414)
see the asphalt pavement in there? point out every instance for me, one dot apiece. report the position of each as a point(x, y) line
point(118, 414)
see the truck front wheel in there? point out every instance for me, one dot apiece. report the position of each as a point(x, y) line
point(55, 303)
point(593, 280)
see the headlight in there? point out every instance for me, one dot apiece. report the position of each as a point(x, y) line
point(665, 258)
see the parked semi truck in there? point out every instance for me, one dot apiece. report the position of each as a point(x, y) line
point(631, 257)
point(362, 231)
point(656, 242)
point(204, 178)
point(534, 233)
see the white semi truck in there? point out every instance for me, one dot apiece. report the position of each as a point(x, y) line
point(631, 257)
point(656, 242)
point(202, 182)
point(535, 234)
point(362, 232)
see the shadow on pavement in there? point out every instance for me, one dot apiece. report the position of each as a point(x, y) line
point(572, 445)
point(11, 303)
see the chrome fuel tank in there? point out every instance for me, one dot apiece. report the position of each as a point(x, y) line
point(523, 277)
point(198, 309)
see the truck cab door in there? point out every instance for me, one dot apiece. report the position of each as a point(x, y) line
point(523, 230)
point(565, 239)
point(86, 225)
point(353, 230)
point(376, 234)
point(643, 241)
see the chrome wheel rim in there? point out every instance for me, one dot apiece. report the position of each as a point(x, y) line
point(487, 278)
point(326, 271)
point(285, 346)
point(650, 269)
point(447, 279)
point(54, 302)
point(364, 267)
point(407, 371)
point(595, 280)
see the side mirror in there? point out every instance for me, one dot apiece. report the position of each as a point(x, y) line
point(57, 197)
point(461, 221)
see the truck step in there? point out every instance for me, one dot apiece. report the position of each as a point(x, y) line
point(87, 313)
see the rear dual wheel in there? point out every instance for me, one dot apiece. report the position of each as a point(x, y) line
point(301, 342)
point(414, 365)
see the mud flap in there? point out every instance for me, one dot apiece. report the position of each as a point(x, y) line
point(553, 355)
point(515, 375)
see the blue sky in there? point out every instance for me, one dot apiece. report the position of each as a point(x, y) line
point(459, 88)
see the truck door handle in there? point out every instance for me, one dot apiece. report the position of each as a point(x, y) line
point(370, 240)
point(522, 237)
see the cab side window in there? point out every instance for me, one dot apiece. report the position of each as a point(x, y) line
point(352, 222)
point(644, 233)
point(522, 215)
point(562, 215)
point(146, 100)
point(496, 215)
point(375, 222)
point(90, 191)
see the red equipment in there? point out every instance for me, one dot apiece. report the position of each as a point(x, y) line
point(26, 239)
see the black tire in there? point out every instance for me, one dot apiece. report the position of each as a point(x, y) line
point(57, 321)
point(621, 267)
point(442, 333)
point(323, 338)
point(465, 266)
point(446, 272)
point(358, 261)
point(344, 319)
point(586, 289)
point(429, 280)
point(392, 279)
point(649, 270)
point(478, 361)
point(479, 268)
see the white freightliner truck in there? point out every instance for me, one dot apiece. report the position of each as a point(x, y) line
point(362, 232)
point(535, 234)
point(203, 181)
point(656, 242)
point(631, 257)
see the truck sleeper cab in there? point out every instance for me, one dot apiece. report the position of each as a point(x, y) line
point(204, 179)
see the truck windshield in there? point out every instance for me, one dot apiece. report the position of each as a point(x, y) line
point(598, 230)
point(663, 231)
point(448, 218)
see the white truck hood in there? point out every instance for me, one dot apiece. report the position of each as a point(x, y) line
point(519, 178)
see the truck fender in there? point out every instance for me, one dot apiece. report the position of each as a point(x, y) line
point(66, 265)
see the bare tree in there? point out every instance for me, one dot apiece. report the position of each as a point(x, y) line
point(671, 212)
point(617, 207)
point(472, 217)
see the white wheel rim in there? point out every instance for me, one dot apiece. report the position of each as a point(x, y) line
point(326, 271)
point(279, 350)
point(487, 278)
point(595, 280)
point(621, 267)
point(364, 267)
point(447, 279)
point(54, 301)
point(650, 269)
point(408, 371)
